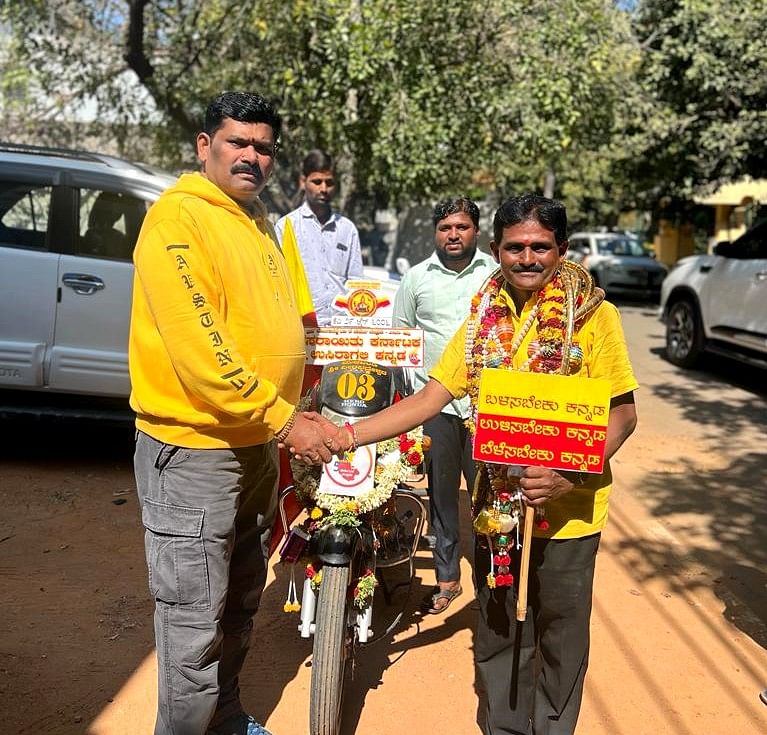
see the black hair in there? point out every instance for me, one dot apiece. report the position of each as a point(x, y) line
point(248, 107)
point(453, 205)
point(548, 213)
point(317, 160)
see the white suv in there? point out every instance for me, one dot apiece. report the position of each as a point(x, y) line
point(68, 225)
point(719, 302)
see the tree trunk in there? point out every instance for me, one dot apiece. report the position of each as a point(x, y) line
point(549, 182)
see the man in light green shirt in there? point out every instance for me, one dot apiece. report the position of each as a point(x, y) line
point(435, 296)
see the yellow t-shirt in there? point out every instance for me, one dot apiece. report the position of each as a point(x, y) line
point(583, 511)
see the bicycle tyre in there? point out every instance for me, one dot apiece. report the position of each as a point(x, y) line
point(329, 652)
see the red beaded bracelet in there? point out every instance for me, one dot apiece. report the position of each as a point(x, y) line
point(353, 433)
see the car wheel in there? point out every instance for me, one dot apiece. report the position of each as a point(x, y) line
point(684, 334)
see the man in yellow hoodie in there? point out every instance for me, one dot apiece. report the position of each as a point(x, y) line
point(216, 362)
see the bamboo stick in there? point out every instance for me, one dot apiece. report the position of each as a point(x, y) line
point(524, 567)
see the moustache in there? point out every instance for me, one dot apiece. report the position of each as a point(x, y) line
point(244, 168)
point(535, 268)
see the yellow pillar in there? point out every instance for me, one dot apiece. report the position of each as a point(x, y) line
point(673, 241)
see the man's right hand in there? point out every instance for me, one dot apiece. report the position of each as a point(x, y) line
point(309, 441)
point(341, 437)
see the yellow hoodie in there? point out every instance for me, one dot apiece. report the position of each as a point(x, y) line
point(216, 347)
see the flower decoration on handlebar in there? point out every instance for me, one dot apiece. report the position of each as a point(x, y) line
point(396, 461)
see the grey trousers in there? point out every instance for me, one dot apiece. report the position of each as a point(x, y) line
point(449, 456)
point(533, 672)
point(207, 516)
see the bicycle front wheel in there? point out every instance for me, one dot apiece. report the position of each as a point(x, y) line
point(330, 652)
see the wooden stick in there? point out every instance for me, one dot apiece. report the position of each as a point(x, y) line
point(524, 566)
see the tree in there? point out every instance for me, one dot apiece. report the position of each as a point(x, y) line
point(417, 98)
point(569, 69)
point(704, 66)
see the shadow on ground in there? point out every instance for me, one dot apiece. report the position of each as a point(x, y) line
point(45, 440)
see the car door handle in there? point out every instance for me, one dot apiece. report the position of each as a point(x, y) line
point(761, 276)
point(82, 283)
point(705, 268)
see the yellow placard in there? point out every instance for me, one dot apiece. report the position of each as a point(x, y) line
point(542, 396)
point(553, 421)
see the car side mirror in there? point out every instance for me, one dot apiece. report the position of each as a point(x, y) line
point(723, 249)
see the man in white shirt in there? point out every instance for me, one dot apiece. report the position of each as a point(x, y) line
point(435, 295)
point(329, 242)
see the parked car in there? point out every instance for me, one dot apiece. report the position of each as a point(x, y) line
point(68, 224)
point(719, 302)
point(69, 221)
point(618, 263)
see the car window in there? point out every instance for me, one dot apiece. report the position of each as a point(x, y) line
point(109, 223)
point(620, 246)
point(24, 213)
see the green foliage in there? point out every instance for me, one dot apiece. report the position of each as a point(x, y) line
point(704, 66)
point(342, 517)
point(417, 99)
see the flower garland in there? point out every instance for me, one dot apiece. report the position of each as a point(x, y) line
point(396, 460)
point(492, 341)
point(363, 592)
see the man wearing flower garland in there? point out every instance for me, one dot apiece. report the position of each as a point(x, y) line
point(434, 296)
point(532, 672)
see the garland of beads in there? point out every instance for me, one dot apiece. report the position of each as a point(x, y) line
point(561, 308)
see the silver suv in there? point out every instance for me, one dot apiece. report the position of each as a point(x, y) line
point(68, 224)
point(719, 302)
point(618, 263)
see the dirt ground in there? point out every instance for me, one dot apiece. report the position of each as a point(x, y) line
point(679, 629)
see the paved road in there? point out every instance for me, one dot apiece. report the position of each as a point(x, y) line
point(679, 626)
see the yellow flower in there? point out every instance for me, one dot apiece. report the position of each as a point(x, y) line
point(316, 513)
point(352, 506)
point(491, 581)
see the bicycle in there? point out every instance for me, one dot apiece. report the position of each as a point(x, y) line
point(350, 539)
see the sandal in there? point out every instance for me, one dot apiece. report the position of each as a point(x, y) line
point(429, 604)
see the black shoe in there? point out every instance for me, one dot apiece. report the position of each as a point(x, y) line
point(240, 725)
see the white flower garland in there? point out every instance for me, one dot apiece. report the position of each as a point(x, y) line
point(392, 468)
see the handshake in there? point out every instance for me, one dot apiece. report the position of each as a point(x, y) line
point(314, 439)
